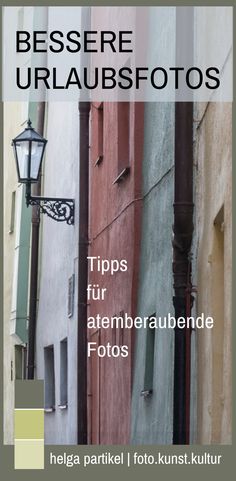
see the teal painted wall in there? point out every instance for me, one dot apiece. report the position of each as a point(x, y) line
point(23, 273)
point(152, 417)
point(21, 329)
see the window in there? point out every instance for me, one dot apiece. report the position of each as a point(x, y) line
point(20, 19)
point(71, 289)
point(100, 133)
point(123, 135)
point(13, 208)
point(49, 379)
point(99, 129)
point(123, 140)
point(218, 314)
point(20, 362)
point(63, 375)
point(118, 333)
point(149, 360)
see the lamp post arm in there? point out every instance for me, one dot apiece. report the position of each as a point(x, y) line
point(59, 209)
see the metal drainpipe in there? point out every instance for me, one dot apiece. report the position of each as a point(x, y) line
point(84, 108)
point(183, 229)
point(34, 259)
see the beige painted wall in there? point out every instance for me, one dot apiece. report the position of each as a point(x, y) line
point(14, 115)
point(213, 204)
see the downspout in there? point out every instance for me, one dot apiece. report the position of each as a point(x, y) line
point(40, 19)
point(183, 230)
point(34, 258)
point(84, 108)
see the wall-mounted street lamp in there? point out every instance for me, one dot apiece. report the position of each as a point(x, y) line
point(29, 148)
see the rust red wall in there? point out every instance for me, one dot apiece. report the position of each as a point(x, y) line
point(115, 221)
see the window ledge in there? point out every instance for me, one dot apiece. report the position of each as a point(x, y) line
point(146, 393)
point(121, 175)
point(50, 409)
point(99, 160)
point(63, 406)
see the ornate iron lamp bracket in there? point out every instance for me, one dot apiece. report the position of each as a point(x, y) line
point(61, 210)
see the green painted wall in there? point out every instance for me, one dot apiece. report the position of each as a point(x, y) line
point(23, 270)
point(23, 259)
point(152, 417)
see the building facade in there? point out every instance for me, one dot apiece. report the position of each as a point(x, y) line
point(56, 327)
point(126, 213)
point(152, 417)
point(115, 212)
point(16, 266)
point(213, 158)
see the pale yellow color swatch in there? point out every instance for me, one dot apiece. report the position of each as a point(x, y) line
point(29, 454)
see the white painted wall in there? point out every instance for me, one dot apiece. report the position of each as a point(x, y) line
point(59, 248)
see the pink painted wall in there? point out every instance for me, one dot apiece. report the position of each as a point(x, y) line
point(115, 221)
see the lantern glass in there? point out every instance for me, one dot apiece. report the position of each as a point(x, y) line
point(37, 149)
point(22, 158)
point(29, 156)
